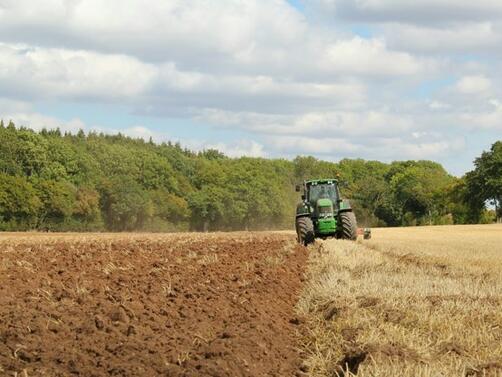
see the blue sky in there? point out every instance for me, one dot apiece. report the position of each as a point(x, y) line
point(374, 79)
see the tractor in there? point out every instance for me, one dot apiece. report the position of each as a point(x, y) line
point(322, 213)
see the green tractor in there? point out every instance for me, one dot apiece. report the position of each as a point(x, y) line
point(322, 213)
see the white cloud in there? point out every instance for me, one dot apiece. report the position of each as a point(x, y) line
point(459, 37)
point(243, 37)
point(39, 121)
point(486, 118)
point(181, 30)
point(240, 148)
point(331, 146)
point(11, 105)
point(418, 80)
point(424, 11)
point(371, 57)
point(328, 123)
point(388, 149)
point(139, 132)
point(438, 105)
point(422, 150)
point(473, 84)
point(42, 72)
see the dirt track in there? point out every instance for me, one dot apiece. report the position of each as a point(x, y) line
point(143, 305)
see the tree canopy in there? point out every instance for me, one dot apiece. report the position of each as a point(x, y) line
point(484, 183)
point(55, 181)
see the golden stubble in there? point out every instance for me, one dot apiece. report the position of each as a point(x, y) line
point(410, 302)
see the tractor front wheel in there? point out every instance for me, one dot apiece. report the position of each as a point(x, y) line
point(305, 230)
point(348, 230)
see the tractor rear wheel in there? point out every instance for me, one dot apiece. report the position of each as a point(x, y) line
point(348, 229)
point(305, 230)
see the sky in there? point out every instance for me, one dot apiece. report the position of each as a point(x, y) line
point(375, 79)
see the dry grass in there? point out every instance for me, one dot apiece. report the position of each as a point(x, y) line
point(410, 302)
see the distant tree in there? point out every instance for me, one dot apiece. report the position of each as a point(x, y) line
point(212, 154)
point(114, 182)
point(126, 205)
point(58, 201)
point(31, 152)
point(464, 207)
point(86, 206)
point(419, 187)
point(306, 167)
point(484, 183)
point(207, 208)
point(19, 203)
point(169, 207)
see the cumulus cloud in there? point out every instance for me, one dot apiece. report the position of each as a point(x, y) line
point(473, 84)
point(438, 105)
point(331, 146)
point(424, 11)
point(371, 57)
point(325, 124)
point(418, 146)
point(139, 132)
point(422, 75)
point(462, 37)
point(248, 148)
point(486, 118)
point(39, 121)
point(29, 71)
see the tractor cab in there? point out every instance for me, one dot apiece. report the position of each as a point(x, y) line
point(316, 190)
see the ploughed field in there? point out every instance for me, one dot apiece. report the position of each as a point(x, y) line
point(149, 305)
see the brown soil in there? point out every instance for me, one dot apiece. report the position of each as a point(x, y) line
point(145, 305)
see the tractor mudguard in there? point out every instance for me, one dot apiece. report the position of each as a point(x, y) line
point(344, 206)
point(302, 210)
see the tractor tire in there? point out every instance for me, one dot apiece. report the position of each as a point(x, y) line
point(348, 229)
point(305, 230)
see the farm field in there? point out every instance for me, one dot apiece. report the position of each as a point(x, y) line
point(410, 302)
point(149, 305)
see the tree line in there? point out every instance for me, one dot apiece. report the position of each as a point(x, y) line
point(57, 181)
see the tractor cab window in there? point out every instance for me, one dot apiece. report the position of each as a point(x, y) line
point(322, 192)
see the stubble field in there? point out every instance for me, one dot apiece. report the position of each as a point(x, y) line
point(410, 302)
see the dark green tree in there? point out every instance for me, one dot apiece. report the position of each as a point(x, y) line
point(484, 183)
point(19, 203)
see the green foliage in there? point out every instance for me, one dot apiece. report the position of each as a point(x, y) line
point(86, 208)
point(484, 183)
point(169, 207)
point(52, 181)
point(126, 205)
point(419, 189)
point(58, 200)
point(19, 203)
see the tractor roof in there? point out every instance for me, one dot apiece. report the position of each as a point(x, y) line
point(321, 181)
